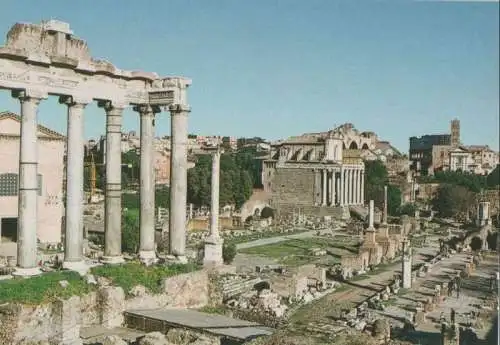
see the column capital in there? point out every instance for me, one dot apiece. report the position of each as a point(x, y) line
point(72, 101)
point(33, 94)
point(179, 108)
point(147, 109)
point(108, 105)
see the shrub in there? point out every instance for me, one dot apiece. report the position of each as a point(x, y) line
point(130, 231)
point(267, 212)
point(228, 252)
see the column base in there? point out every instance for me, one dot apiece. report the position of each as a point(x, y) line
point(26, 272)
point(148, 257)
point(112, 260)
point(213, 252)
point(78, 266)
point(176, 259)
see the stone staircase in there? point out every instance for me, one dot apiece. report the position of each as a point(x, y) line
point(236, 286)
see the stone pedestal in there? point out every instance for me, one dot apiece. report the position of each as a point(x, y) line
point(420, 316)
point(112, 303)
point(26, 272)
point(67, 320)
point(78, 266)
point(213, 252)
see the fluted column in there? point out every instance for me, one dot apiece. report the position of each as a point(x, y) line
point(28, 183)
point(178, 179)
point(147, 252)
point(324, 185)
point(112, 205)
point(73, 244)
point(346, 186)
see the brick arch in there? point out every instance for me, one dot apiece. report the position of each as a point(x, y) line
point(353, 145)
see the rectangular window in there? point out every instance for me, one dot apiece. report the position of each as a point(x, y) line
point(8, 184)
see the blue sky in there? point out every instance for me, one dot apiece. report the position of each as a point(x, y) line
point(283, 67)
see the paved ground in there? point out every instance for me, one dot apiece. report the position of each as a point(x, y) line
point(474, 289)
point(215, 324)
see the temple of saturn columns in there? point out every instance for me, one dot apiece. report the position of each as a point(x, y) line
point(45, 59)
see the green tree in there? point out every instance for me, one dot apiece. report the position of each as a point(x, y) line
point(493, 179)
point(453, 201)
point(408, 209)
point(130, 231)
point(393, 200)
point(267, 212)
point(376, 177)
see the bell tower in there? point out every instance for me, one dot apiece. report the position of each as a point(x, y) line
point(455, 132)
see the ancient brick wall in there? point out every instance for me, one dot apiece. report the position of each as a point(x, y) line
point(293, 186)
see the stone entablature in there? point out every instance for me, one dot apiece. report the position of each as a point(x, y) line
point(42, 57)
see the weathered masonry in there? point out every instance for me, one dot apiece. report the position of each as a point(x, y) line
point(315, 175)
point(45, 59)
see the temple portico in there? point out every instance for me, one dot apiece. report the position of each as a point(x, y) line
point(45, 59)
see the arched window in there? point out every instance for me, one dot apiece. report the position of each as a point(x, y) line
point(364, 147)
point(353, 146)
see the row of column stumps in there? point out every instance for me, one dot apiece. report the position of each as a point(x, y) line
point(73, 246)
point(347, 189)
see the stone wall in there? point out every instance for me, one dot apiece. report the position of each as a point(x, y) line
point(493, 196)
point(62, 319)
point(293, 186)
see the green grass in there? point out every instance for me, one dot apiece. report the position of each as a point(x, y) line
point(219, 309)
point(42, 289)
point(134, 273)
point(296, 251)
point(260, 235)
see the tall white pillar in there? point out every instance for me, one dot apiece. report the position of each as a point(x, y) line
point(213, 243)
point(325, 188)
point(371, 214)
point(178, 179)
point(28, 183)
point(73, 244)
point(384, 215)
point(407, 264)
point(362, 187)
point(346, 186)
point(113, 193)
point(147, 253)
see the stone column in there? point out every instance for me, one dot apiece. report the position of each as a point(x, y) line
point(356, 187)
point(406, 269)
point(213, 243)
point(349, 190)
point(147, 252)
point(73, 244)
point(362, 187)
point(371, 215)
point(178, 179)
point(332, 188)
point(325, 187)
point(28, 183)
point(346, 187)
point(341, 187)
point(337, 189)
point(384, 215)
point(112, 206)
